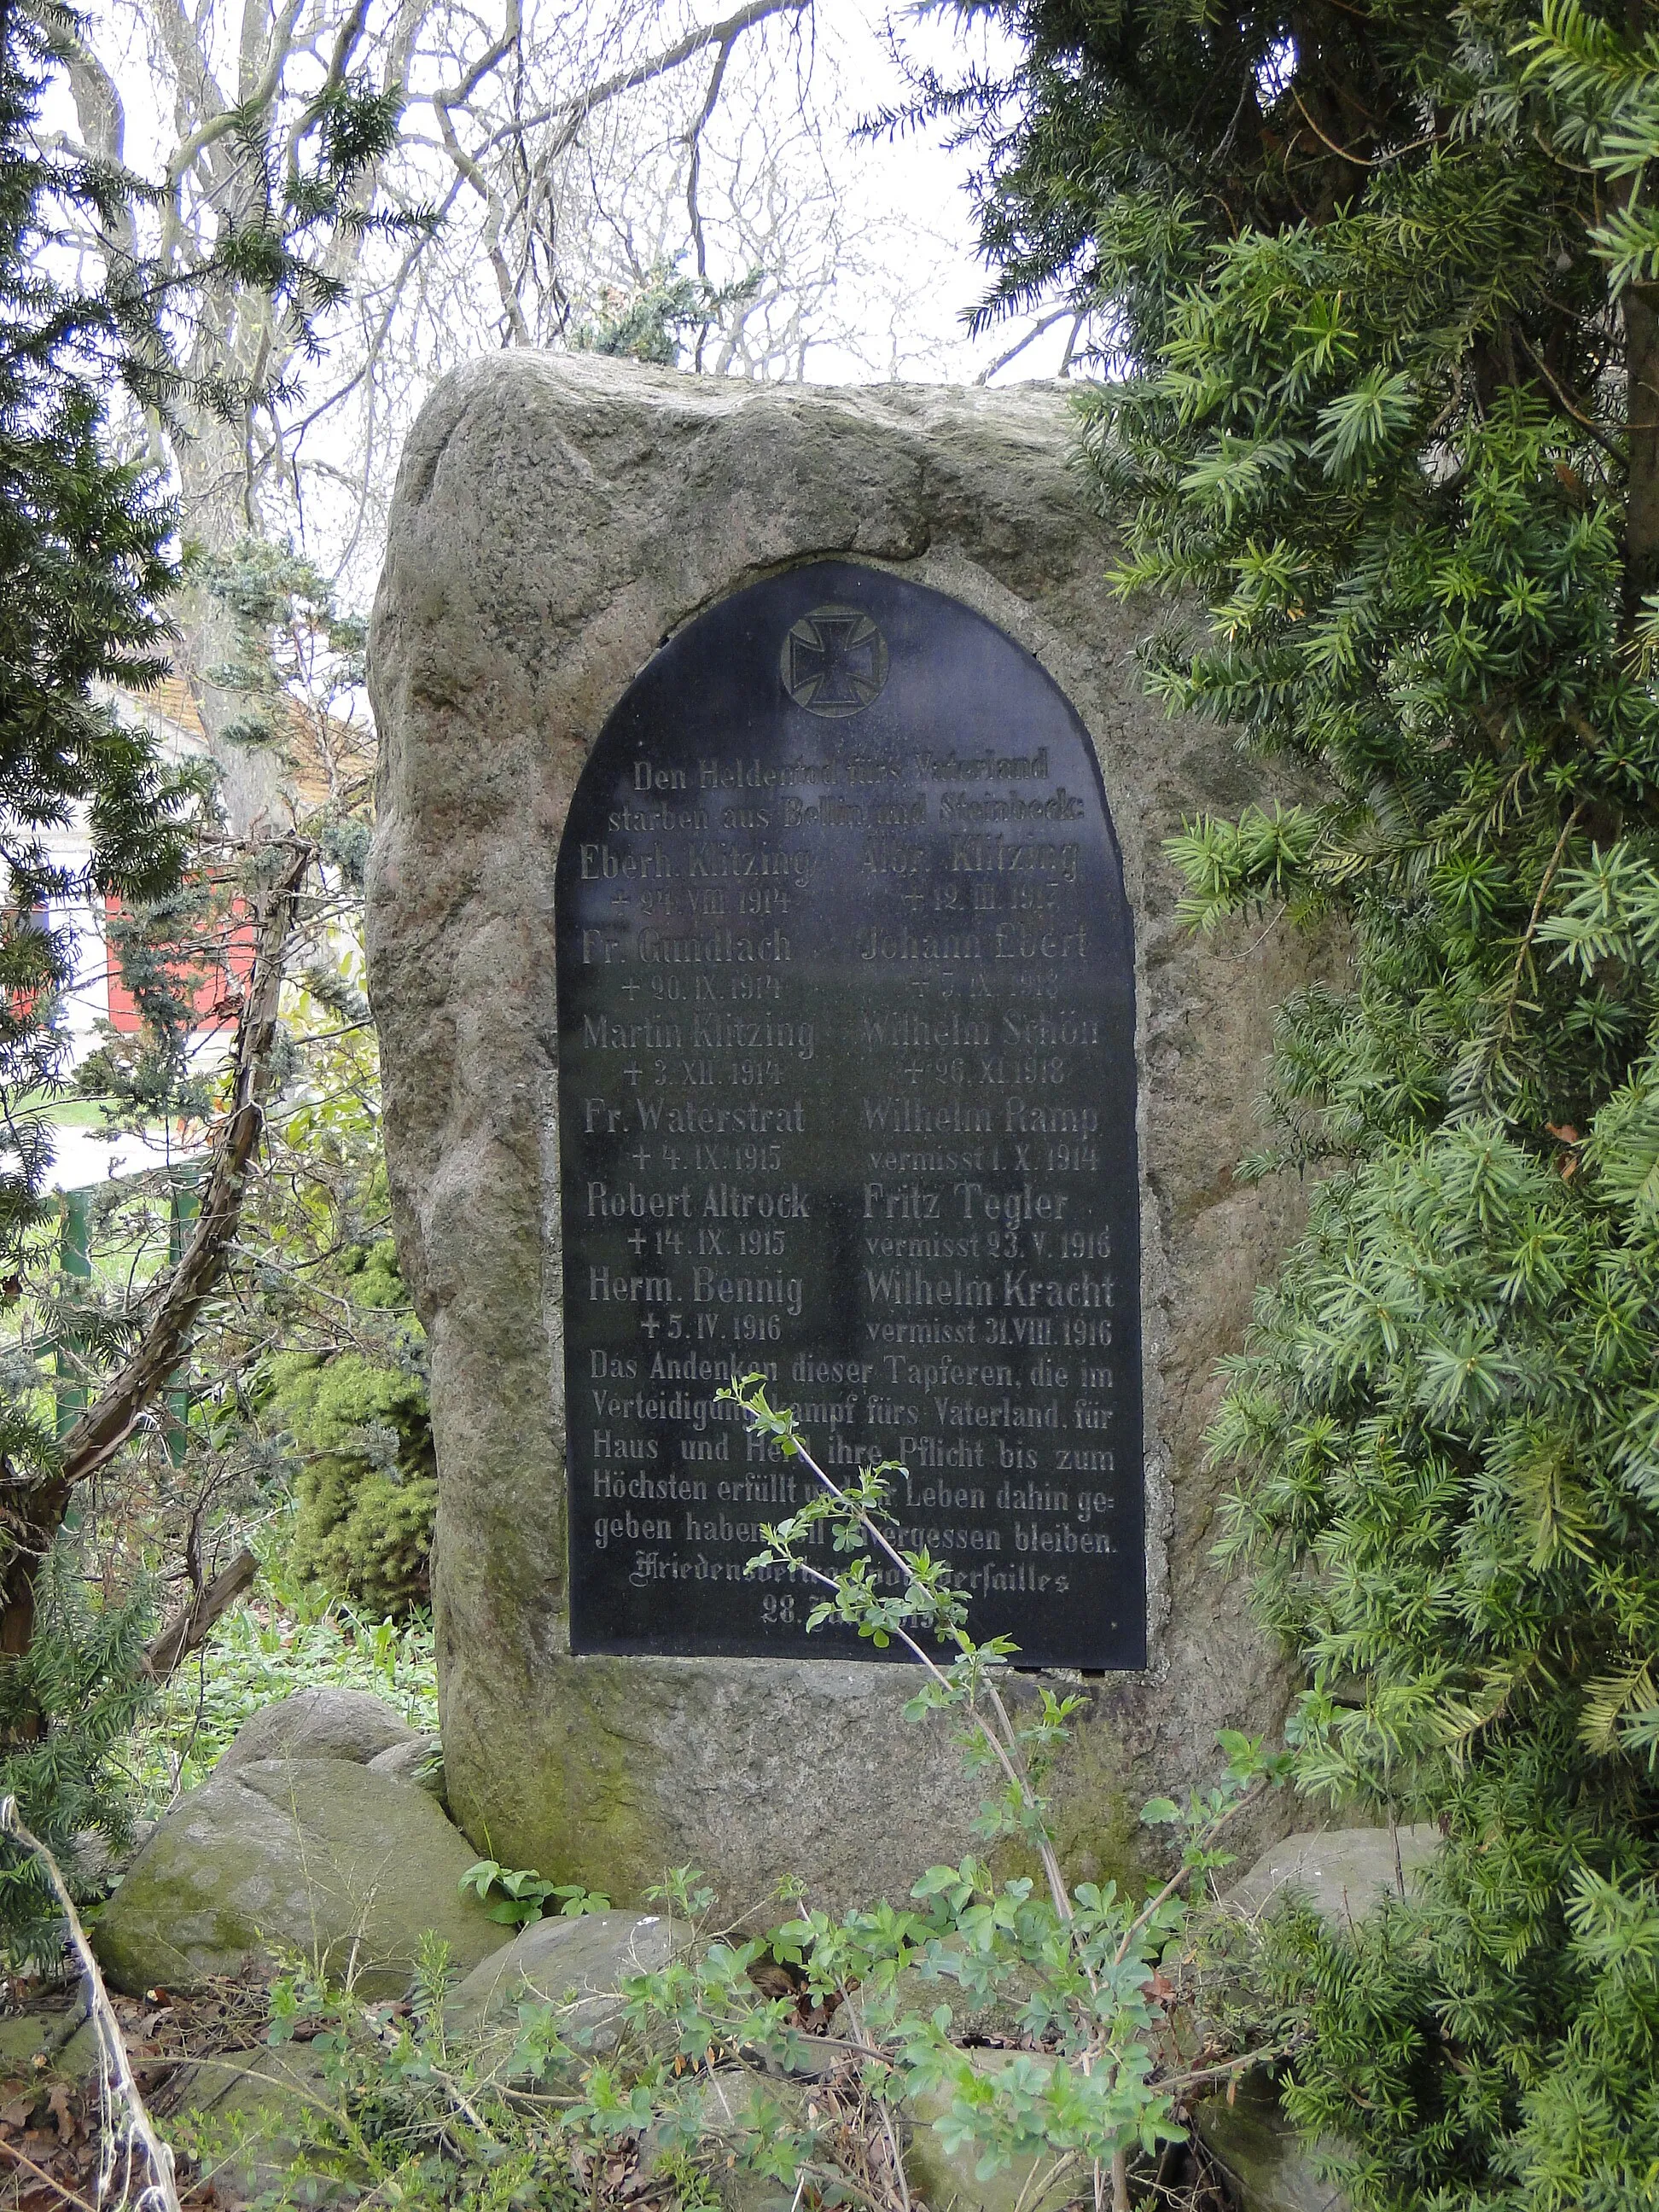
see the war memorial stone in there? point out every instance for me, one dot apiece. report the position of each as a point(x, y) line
point(776, 961)
point(846, 984)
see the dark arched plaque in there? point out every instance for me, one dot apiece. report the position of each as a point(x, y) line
point(846, 1092)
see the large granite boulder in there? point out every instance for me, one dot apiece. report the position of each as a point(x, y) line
point(1341, 1872)
point(322, 1723)
point(320, 1857)
point(556, 520)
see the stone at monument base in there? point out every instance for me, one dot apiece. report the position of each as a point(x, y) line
point(242, 2115)
point(1341, 1872)
point(750, 1768)
point(1270, 2166)
point(555, 521)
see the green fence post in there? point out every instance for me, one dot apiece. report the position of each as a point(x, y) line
point(184, 1209)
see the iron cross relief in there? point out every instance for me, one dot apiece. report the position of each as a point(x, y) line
point(834, 661)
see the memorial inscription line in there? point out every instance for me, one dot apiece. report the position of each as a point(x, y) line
point(981, 1289)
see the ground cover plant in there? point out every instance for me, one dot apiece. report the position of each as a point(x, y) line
point(286, 1640)
point(1381, 281)
point(798, 2055)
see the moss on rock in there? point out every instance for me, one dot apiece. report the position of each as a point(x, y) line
point(316, 1856)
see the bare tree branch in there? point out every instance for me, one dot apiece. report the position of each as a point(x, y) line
point(694, 159)
point(1043, 323)
point(193, 1625)
point(105, 1426)
point(494, 219)
point(571, 114)
point(260, 94)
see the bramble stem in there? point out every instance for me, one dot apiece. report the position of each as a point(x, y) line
point(1005, 1748)
point(116, 2066)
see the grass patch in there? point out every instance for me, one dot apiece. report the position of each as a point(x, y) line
point(269, 1647)
point(70, 1109)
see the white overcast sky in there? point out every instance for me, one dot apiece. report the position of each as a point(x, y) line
point(916, 186)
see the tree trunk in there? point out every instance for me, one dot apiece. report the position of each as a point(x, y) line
point(213, 495)
point(33, 1516)
point(1641, 306)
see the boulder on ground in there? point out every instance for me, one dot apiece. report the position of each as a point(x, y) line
point(327, 1723)
point(419, 1759)
point(1270, 2166)
point(1341, 1871)
point(992, 2019)
point(240, 2115)
point(93, 1863)
point(34, 2045)
point(737, 2116)
point(579, 1964)
point(312, 1855)
point(947, 2178)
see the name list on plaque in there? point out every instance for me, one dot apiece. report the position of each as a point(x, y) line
point(847, 1095)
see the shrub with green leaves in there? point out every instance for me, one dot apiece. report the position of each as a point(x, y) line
point(1384, 281)
point(524, 1897)
point(367, 1485)
point(67, 1710)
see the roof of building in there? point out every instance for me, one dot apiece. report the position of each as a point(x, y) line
point(322, 752)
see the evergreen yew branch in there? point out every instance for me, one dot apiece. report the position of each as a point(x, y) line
point(1529, 934)
point(1392, 451)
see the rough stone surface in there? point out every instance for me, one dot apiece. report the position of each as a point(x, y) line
point(736, 2115)
point(1269, 2165)
point(555, 521)
point(351, 1725)
point(418, 1761)
point(238, 2115)
point(579, 1964)
point(95, 1863)
point(1341, 1871)
point(314, 1856)
point(26, 2037)
point(947, 2178)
